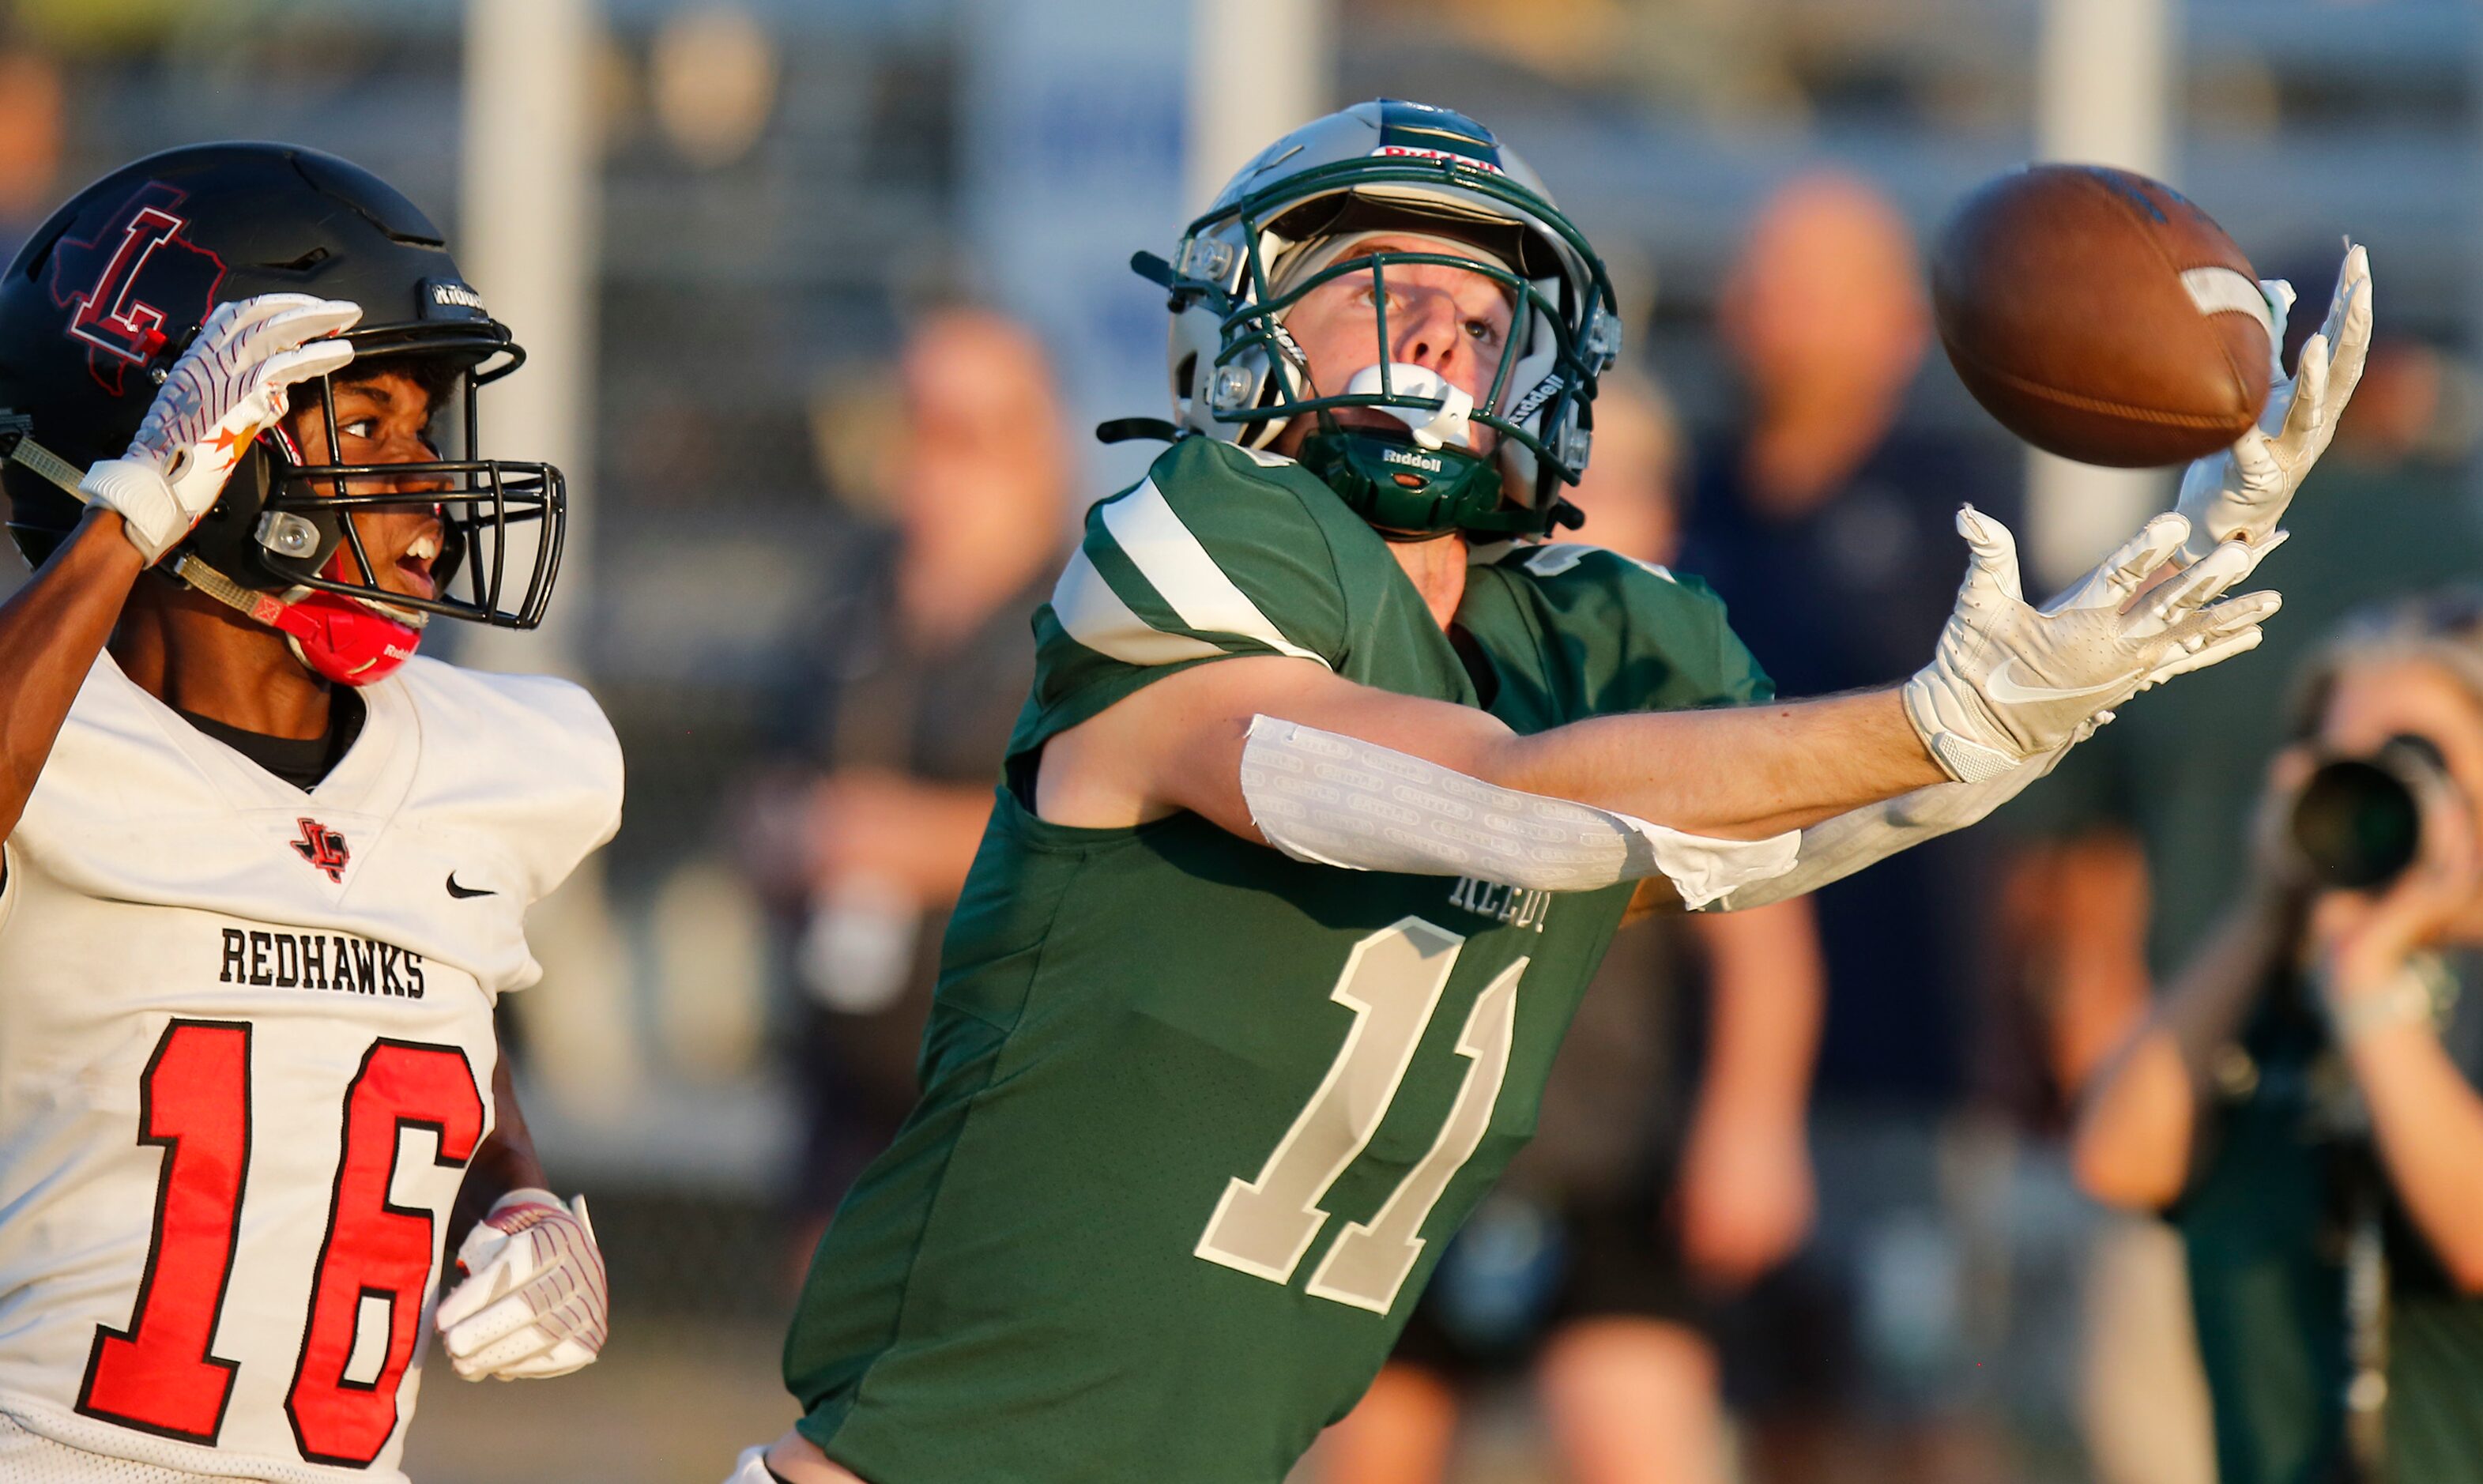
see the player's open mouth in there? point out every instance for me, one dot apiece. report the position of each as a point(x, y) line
point(414, 566)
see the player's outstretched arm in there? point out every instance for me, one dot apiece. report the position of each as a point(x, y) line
point(1840, 846)
point(2008, 683)
point(1740, 773)
point(227, 388)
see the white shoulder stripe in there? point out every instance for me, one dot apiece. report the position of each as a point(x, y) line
point(1553, 558)
point(1148, 532)
point(1091, 613)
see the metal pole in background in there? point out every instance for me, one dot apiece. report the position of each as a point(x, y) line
point(1257, 70)
point(526, 240)
point(2106, 77)
point(2108, 70)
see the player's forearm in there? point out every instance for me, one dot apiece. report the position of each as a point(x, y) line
point(506, 1161)
point(1743, 773)
point(950, 830)
point(1730, 772)
point(51, 629)
point(2428, 1125)
point(1768, 991)
point(2137, 1123)
point(1839, 846)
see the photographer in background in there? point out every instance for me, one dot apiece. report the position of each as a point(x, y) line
point(2303, 1102)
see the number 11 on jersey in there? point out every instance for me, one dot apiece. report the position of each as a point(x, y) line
point(1391, 982)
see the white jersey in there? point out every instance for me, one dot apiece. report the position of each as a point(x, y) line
point(246, 1053)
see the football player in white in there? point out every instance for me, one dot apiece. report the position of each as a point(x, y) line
point(265, 869)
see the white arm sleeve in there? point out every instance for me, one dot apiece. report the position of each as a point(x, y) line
point(1834, 849)
point(1340, 801)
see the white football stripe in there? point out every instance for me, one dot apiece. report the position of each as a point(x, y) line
point(2223, 291)
point(1180, 571)
point(1094, 615)
point(1553, 558)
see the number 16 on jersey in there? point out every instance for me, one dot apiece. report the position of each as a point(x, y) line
point(1392, 983)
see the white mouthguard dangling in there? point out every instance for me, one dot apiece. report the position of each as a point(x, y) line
point(1432, 427)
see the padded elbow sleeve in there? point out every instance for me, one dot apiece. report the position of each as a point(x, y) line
point(1340, 801)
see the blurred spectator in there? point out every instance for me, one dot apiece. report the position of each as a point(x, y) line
point(2304, 1099)
point(33, 95)
point(1827, 527)
point(1596, 1261)
point(901, 715)
point(2132, 842)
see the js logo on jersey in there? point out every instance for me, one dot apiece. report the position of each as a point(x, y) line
point(324, 848)
point(133, 275)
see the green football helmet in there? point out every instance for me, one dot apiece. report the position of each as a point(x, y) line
point(1390, 166)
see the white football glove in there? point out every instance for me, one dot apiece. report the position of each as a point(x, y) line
point(2007, 681)
point(2125, 571)
point(230, 386)
point(535, 1301)
point(2241, 494)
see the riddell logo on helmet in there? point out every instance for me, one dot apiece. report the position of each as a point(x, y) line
point(450, 295)
point(1533, 402)
point(136, 275)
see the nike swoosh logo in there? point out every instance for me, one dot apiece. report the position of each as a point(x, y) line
point(463, 892)
point(1999, 687)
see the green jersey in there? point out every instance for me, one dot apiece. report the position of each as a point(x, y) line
point(2285, 1175)
point(1197, 1117)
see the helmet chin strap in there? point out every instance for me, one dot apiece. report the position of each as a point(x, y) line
point(341, 638)
point(1424, 483)
point(348, 640)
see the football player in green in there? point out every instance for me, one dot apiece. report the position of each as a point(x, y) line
point(1334, 782)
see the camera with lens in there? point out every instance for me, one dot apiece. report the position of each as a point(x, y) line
point(2358, 822)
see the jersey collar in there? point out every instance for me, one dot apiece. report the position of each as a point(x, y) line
point(372, 779)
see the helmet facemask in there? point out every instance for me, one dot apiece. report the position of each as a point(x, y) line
point(1563, 335)
point(285, 526)
point(169, 236)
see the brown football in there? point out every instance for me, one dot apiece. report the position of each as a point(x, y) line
point(2102, 316)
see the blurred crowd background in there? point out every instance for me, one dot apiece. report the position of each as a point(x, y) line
point(824, 297)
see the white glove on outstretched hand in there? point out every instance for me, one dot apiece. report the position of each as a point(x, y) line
point(2241, 494)
point(230, 386)
point(2009, 682)
point(535, 1301)
point(2126, 571)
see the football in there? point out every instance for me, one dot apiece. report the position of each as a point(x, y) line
point(2102, 316)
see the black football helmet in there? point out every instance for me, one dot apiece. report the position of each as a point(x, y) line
point(106, 295)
